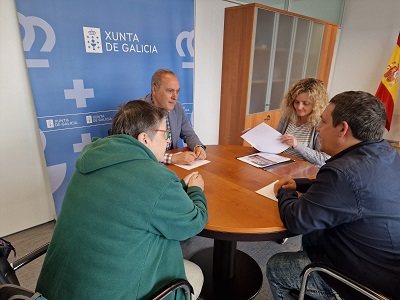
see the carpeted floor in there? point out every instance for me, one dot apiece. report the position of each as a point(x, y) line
point(259, 251)
point(28, 240)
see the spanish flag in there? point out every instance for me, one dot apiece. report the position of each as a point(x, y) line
point(388, 86)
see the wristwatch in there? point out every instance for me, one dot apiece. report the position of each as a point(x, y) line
point(202, 146)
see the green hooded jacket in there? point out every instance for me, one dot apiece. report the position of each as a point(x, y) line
point(118, 232)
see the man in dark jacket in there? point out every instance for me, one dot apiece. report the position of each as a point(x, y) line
point(349, 215)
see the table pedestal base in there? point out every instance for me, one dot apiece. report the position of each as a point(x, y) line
point(244, 280)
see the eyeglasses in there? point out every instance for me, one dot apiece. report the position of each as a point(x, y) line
point(166, 133)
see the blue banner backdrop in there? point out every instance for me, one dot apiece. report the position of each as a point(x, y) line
point(86, 57)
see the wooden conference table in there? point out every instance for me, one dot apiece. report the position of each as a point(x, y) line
point(237, 213)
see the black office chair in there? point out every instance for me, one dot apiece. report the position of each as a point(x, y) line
point(9, 283)
point(10, 286)
point(318, 267)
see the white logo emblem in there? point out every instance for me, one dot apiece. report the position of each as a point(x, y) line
point(29, 38)
point(189, 36)
point(92, 38)
point(50, 123)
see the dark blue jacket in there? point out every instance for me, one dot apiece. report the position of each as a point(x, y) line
point(354, 203)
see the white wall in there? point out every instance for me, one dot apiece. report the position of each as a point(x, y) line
point(209, 32)
point(25, 198)
point(368, 36)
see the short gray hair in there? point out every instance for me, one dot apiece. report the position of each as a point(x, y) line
point(157, 76)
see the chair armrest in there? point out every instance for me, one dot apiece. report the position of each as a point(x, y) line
point(26, 259)
point(173, 286)
point(339, 276)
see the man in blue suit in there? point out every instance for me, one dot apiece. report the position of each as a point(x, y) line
point(165, 89)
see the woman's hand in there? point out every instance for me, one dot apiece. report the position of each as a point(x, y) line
point(289, 140)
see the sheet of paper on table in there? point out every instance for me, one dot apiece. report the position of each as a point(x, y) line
point(265, 139)
point(195, 164)
point(268, 191)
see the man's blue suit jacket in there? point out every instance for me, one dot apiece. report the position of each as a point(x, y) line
point(180, 126)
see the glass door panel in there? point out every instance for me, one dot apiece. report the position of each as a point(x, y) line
point(299, 59)
point(317, 36)
point(261, 60)
point(281, 61)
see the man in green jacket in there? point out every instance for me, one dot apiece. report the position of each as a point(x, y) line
point(123, 215)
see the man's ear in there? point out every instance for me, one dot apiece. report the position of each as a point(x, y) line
point(345, 129)
point(153, 89)
point(143, 138)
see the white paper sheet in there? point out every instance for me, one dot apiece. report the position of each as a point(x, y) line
point(268, 191)
point(265, 139)
point(195, 164)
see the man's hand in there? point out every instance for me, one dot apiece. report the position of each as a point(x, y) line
point(194, 179)
point(200, 153)
point(187, 177)
point(184, 158)
point(285, 183)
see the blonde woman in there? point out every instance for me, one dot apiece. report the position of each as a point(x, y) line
point(302, 107)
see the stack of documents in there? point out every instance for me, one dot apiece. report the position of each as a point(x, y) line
point(265, 139)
